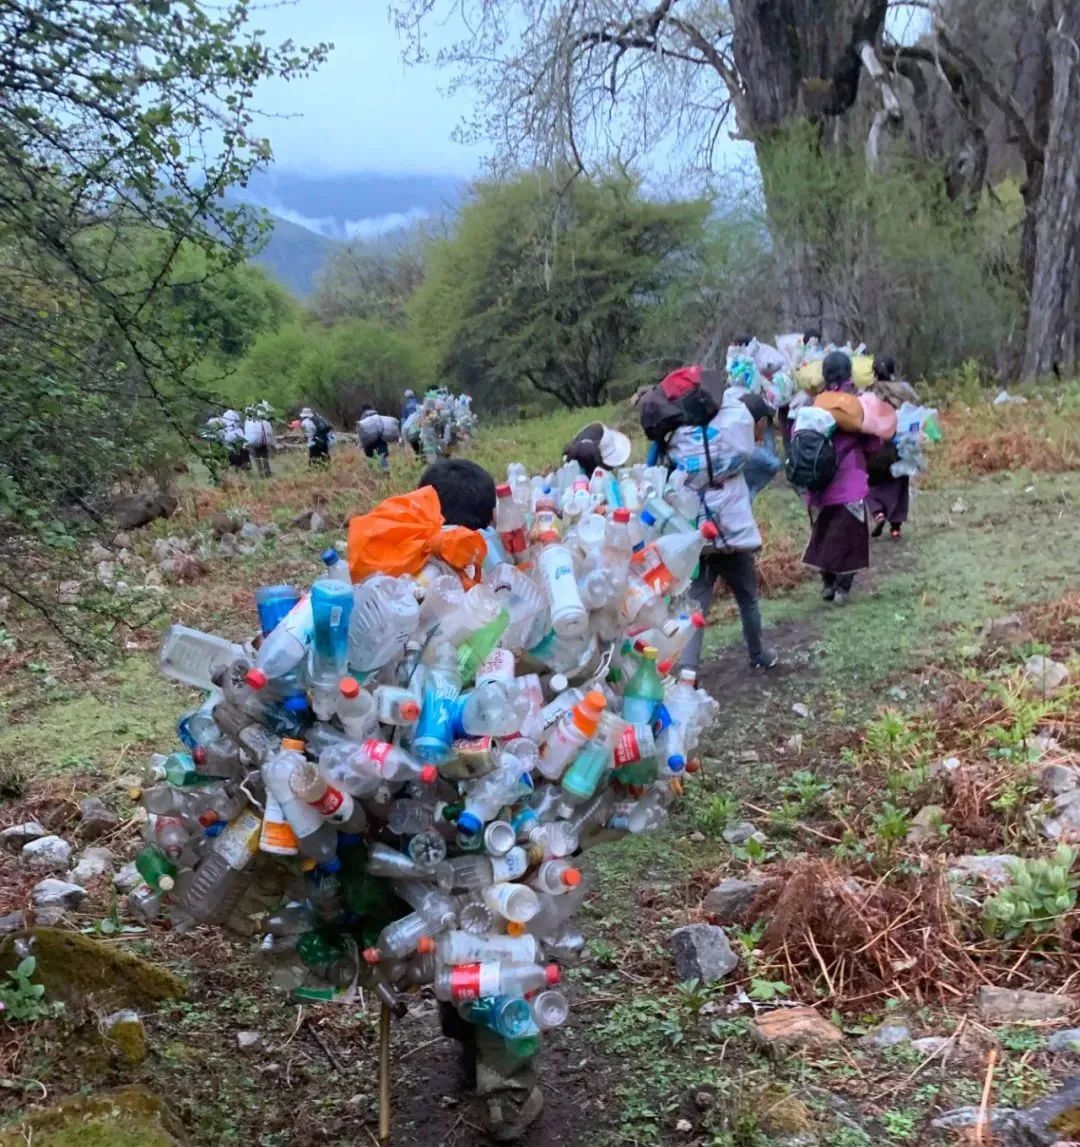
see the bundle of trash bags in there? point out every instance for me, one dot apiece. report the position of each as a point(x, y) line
point(440, 423)
point(397, 781)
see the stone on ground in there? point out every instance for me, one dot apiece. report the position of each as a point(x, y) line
point(926, 825)
point(793, 1028)
point(1056, 779)
point(47, 854)
point(96, 819)
point(15, 836)
point(128, 1117)
point(248, 1041)
point(739, 832)
point(92, 863)
point(53, 893)
point(125, 1035)
point(1067, 1040)
point(1008, 1005)
point(702, 953)
point(127, 877)
point(888, 1035)
point(1045, 676)
point(731, 897)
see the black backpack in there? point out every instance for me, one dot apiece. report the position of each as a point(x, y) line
point(811, 460)
point(681, 399)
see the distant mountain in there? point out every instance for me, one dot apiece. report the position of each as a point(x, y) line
point(312, 213)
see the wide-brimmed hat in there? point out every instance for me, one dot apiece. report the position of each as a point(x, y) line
point(614, 446)
point(307, 412)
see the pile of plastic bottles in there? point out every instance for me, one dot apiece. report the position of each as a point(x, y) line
point(915, 426)
point(440, 423)
point(396, 783)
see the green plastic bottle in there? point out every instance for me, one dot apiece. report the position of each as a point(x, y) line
point(477, 647)
point(156, 868)
point(178, 769)
point(644, 691)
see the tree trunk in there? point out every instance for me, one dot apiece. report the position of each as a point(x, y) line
point(1053, 331)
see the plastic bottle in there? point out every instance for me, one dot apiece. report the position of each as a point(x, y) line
point(644, 690)
point(667, 564)
point(569, 617)
point(331, 611)
point(192, 657)
point(385, 861)
point(336, 568)
point(442, 598)
point(483, 980)
point(527, 604)
point(510, 523)
point(502, 786)
point(286, 647)
point(179, 769)
point(156, 869)
point(210, 892)
point(385, 615)
point(316, 838)
point(681, 704)
point(555, 877)
point(395, 705)
point(581, 778)
point(567, 736)
point(466, 872)
point(457, 947)
point(338, 808)
point(507, 1016)
point(493, 709)
point(635, 755)
point(477, 646)
point(356, 710)
point(435, 729)
point(273, 603)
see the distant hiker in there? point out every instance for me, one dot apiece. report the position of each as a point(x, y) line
point(889, 498)
point(231, 434)
point(318, 433)
point(371, 434)
point(839, 543)
point(259, 436)
point(409, 406)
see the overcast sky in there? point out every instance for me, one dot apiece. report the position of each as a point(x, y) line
point(363, 110)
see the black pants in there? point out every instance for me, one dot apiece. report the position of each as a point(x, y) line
point(379, 448)
point(239, 458)
point(318, 453)
point(261, 454)
point(841, 582)
point(739, 574)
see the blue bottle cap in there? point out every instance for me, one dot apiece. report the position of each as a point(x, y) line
point(215, 829)
point(331, 866)
point(348, 839)
point(296, 704)
point(676, 762)
point(470, 823)
point(330, 556)
point(648, 518)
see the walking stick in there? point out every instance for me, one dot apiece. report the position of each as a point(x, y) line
point(384, 1074)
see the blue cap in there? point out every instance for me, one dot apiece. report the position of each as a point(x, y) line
point(332, 865)
point(330, 556)
point(347, 839)
point(676, 762)
point(648, 518)
point(297, 703)
point(470, 823)
point(215, 829)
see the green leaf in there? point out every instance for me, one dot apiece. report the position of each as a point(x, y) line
point(26, 967)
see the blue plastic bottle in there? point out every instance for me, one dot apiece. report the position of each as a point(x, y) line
point(273, 602)
point(331, 609)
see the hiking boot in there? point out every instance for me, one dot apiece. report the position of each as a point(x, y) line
point(766, 659)
point(879, 520)
point(828, 592)
point(510, 1113)
point(842, 597)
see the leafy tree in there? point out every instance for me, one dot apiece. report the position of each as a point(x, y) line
point(369, 281)
point(550, 286)
point(122, 124)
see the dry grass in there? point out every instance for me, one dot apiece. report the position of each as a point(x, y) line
point(991, 440)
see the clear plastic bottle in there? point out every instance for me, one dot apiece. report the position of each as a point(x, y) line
point(316, 838)
point(388, 862)
point(567, 737)
point(510, 523)
point(360, 769)
point(463, 873)
point(667, 564)
point(457, 947)
point(442, 599)
point(517, 903)
point(478, 981)
point(505, 784)
point(356, 710)
point(193, 657)
point(178, 769)
point(210, 892)
point(336, 568)
point(550, 1009)
point(569, 618)
point(285, 648)
point(338, 808)
point(331, 611)
point(494, 708)
point(395, 705)
point(555, 877)
point(507, 1016)
point(580, 780)
point(384, 617)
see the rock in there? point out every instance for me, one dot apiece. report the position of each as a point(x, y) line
point(181, 568)
point(888, 1035)
point(12, 922)
point(1050, 1121)
point(127, 878)
point(684, 1126)
point(130, 1116)
point(731, 897)
point(959, 506)
point(99, 553)
point(227, 547)
point(153, 579)
point(945, 768)
point(1044, 675)
point(999, 1120)
point(787, 1028)
point(135, 510)
point(248, 1041)
point(1009, 630)
point(96, 818)
point(696, 837)
point(252, 533)
point(92, 864)
point(800, 710)
point(15, 836)
point(106, 574)
point(931, 1044)
point(69, 592)
point(1055, 780)
point(1064, 823)
point(81, 970)
point(1008, 1005)
point(5, 603)
point(973, 878)
point(122, 541)
point(926, 825)
point(704, 1100)
point(1067, 1040)
point(702, 953)
point(739, 832)
point(47, 854)
point(222, 524)
point(301, 521)
point(49, 916)
point(50, 893)
point(125, 1034)
point(317, 525)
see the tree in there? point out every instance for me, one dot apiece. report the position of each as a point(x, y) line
point(368, 281)
point(550, 283)
point(122, 124)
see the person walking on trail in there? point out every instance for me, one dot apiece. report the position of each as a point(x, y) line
point(889, 498)
point(230, 431)
point(318, 433)
point(410, 421)
point(839, 545)
point(370, 436)
point(409, 405)
point(259, 436)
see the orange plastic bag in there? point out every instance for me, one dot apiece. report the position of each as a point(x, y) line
point(403, 533)
point(843, 407)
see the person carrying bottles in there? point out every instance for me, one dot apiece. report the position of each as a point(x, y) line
point(259, 435)
point(318, 433)
point(839, 545)
point(410, 421)
point(889, 498)
point(370, 436)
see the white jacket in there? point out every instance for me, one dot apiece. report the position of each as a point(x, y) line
point(726, 502)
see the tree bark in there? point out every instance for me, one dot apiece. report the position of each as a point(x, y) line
point(1053, 332)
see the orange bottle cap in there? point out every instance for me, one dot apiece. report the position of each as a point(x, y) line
point(293, 744)
point(425, 945)
point(371, 956)
point(410, 710)
point(349, 687)
point(514, 929)
point(571, 877)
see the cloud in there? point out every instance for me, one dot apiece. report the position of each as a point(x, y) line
point(325, 225)
point(378, 225)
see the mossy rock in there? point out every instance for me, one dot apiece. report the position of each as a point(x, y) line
point(129, 1117)
point(80, 970)
point(778, 1112)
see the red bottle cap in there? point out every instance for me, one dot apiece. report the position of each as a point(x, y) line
point(349, 687)
point(664, 667)
point(571, 877)
point(697, 620)
point(693, 765)
point(198, 754)
point(552, 974)
point(410, 710)
point(502, 490)
point(425, 945)
point(429, 774)
point(207, 818)
point(622, 516)
point(709, 532)
point(371, 956)
point(256, 678)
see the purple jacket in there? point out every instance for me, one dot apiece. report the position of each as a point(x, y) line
point(850, 482)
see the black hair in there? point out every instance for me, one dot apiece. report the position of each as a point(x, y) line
point(466, 492)
point(811, 334)
point(742, 340)
point(758, 407)
point(836, 368)
point(884, 368)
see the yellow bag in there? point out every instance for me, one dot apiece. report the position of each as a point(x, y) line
point(862, 370)
point(809, 377)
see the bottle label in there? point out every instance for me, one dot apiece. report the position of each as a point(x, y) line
point(511, 866)
point(497, 666)
point(472, 757)
point(335, 616)
point(653, 571)
point(240, 841)
point(474, 981)
point(378, 751)
point(514, 541)
point(628, 750)
point(330, 802)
